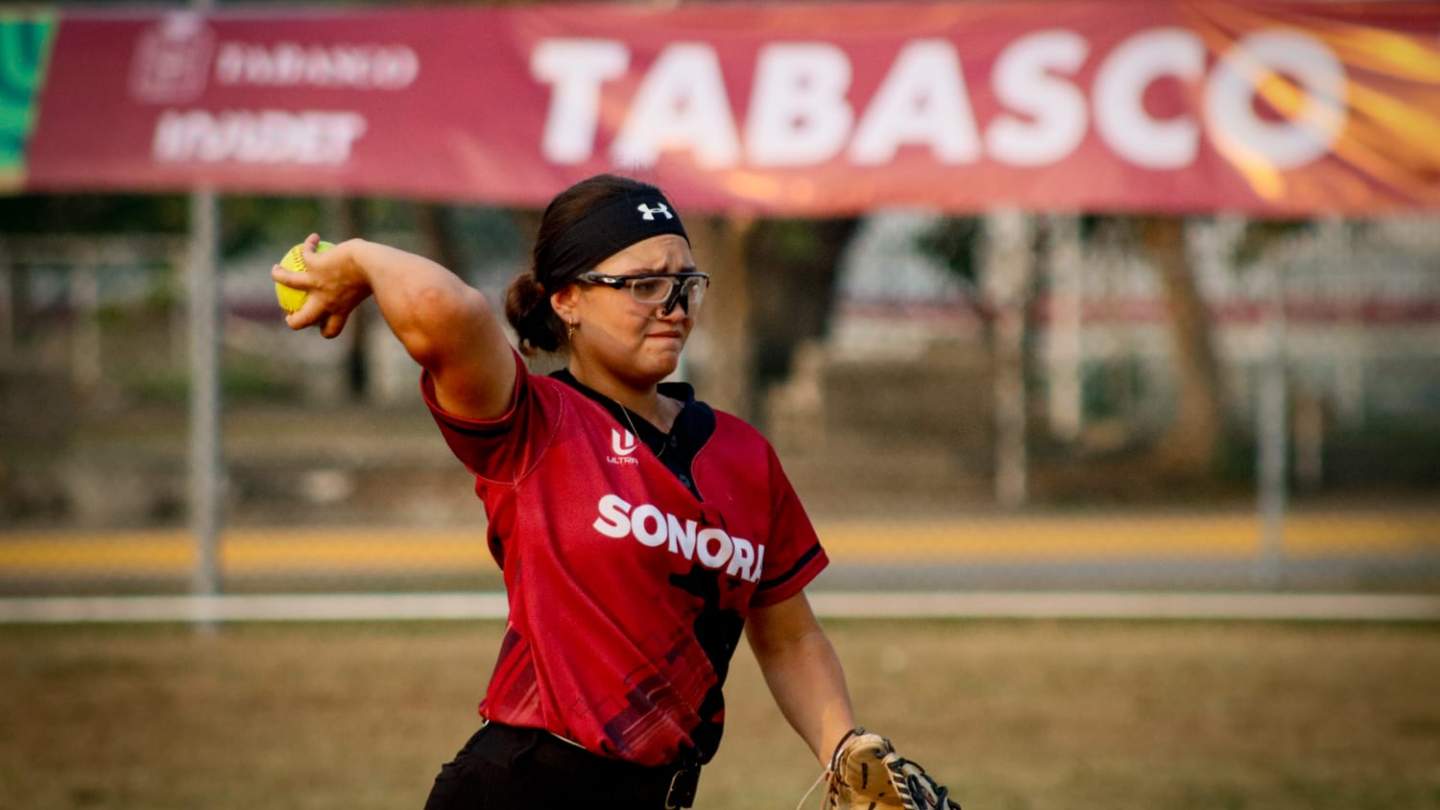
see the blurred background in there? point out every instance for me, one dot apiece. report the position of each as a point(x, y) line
point(1091, 449)
point(1115, 434)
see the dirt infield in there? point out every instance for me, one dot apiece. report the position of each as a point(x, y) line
point(1012, 714)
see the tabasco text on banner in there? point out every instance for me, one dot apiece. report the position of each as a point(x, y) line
point(1268, 108)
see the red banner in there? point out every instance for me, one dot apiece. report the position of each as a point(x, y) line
point(1267, 108)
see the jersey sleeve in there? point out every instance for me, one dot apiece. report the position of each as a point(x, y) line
point(794, 555)
point(500, 450)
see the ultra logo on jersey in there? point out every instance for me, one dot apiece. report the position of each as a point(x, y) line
point(623, 443)
point(711, 547)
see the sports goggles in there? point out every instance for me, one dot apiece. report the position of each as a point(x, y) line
point(686, 290)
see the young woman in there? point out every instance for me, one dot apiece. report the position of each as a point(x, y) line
point(638, 530)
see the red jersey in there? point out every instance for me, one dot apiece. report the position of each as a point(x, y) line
point(627, 592)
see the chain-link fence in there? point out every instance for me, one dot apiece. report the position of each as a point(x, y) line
point(1108, 401)
point(1005, 401)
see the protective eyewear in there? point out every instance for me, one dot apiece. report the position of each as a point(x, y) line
point(686, 290)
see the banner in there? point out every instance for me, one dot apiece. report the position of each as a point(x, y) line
point(1275, 108)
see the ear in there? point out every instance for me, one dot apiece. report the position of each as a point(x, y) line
point(566, 302)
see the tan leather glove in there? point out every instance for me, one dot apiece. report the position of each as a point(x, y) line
point(867, 774)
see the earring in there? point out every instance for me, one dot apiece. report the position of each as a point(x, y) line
point(570, 328)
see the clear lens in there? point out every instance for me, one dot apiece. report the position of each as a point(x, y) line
point(694, 293)
point(651, 290)
point(657, 289)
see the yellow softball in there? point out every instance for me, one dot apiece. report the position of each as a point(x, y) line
point(290, 298)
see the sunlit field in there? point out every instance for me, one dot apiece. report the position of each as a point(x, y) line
point(1011, 715)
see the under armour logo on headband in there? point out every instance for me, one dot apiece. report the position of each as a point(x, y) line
point(648, 213)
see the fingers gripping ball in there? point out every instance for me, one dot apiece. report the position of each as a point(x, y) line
point(867, 774)
point(290, 298)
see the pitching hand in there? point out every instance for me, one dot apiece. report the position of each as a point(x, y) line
point(333, 283)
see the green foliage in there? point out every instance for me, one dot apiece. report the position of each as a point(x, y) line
point(241, 380)
point(248, 223)
point(1262, 235)
point(258, 223)
point(955, 243)
point(1092, 224)
point(165, 290)
point(1110, 390)
point(791, 241)
point(95, 213)
point(483, 235)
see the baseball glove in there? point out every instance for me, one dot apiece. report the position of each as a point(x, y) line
point(866, 774)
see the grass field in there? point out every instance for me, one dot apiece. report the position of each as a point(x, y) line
point(1011, 714)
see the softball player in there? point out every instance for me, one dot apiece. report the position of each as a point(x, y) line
point(639, 530)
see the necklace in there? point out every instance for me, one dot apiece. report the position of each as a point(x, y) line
point(626, 412)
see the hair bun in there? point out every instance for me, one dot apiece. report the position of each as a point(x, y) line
point(527, 308)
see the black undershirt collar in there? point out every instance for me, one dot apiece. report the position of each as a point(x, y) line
point(676, 450)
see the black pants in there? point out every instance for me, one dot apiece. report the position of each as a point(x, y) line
point(507, 768)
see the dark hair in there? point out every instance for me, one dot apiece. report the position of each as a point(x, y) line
point(554, 261)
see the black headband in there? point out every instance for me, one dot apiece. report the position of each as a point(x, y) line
point(609, 229)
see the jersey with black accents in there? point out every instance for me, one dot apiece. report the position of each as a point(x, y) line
point(627, 590)
point(691, 430)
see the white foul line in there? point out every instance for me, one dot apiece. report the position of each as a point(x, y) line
point(1195, 606)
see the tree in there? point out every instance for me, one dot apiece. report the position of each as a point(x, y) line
point(1192, 444)
point(996, 260)
point(792, 266)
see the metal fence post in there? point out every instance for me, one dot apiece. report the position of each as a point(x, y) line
point(205, 462)
point(1066, 356)
point(1272, 435)
point(1007, 280)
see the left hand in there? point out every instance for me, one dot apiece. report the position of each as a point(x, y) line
point(866, 773)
